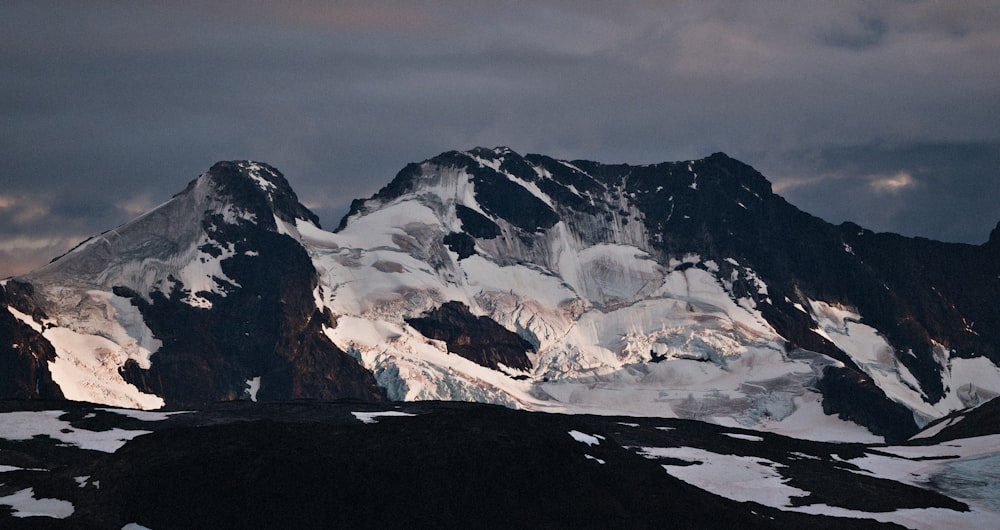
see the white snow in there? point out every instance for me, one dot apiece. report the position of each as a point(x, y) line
point(142, 415)
point(204, 273)
point(253, 386)
point(970, 382)
point(809, 422)
point(871, 353)
point(591, 457)
point(903, 462)
point(372, 417)
point(933, 430)
point(589, 439)
point(748, 437)
point(94, 340)
point(25, 425)
point(595, 316)
point(919, 465)
point(741, 478)
point(86, 369)
point(253, 170)
point(24, 504)
point(25, 319)
point(755, 479)
point(5, 469)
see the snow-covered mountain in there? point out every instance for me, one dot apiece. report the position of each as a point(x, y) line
point(684, 289)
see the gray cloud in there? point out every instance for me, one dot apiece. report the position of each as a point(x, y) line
point(945, 191)
point(108, 106)
point(870, 31)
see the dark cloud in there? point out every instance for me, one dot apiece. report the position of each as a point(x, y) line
point(108, 106)
point(945, 191)
point(868, 32)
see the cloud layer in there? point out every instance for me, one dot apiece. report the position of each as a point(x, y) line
point(882, 113)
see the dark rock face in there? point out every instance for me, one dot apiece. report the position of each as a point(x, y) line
point(476, 224)
point(506, 199)
point(24, 353)
point(853, 397)
point(266, 325)
point(478, 339)
point(462, 244)
point(983, 420)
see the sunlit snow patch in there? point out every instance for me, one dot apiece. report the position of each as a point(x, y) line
point(741, 478)
point(873, 354)
point(589, 439)
point(372, 417)
point(86, 366)
point(86, 369)
point(748, 437)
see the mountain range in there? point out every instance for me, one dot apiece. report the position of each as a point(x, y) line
point(676, 290)
point(323, 464)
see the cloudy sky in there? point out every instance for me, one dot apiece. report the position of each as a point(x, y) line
point(883, 113)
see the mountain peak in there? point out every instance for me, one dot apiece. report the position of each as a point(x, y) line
point(258, 187)
point(730, 170)
point(490, 152)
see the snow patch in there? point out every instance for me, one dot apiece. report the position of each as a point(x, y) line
point(141, 415)
point(24, 504)
point(86, 369)
point(747, 437)
point(932, 431)
point(25, 319)
point(253, 171)
point(873, 354)
point(372, 417)
point(27, 425)
point(589, 439)
point(741, 478)
point(253, 386)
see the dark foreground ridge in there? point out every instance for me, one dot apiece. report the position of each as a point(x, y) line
point(427, 464)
